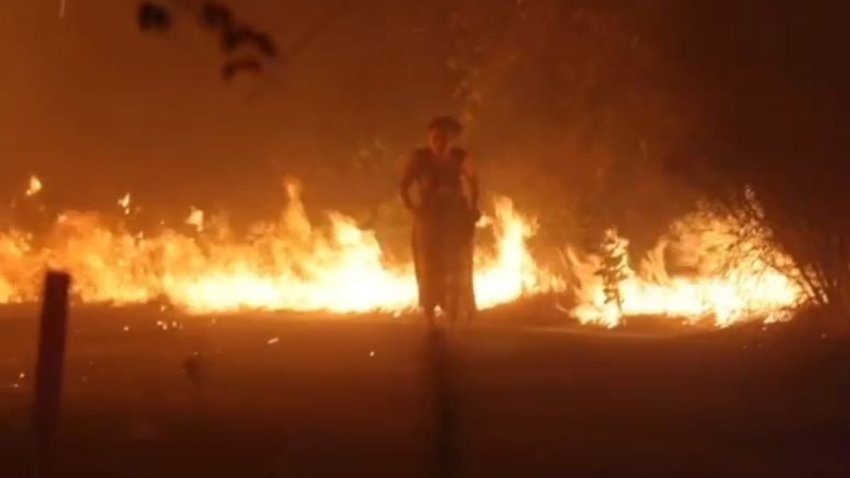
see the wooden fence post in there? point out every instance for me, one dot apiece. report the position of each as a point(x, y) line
point(50, 368)
point(446, 458)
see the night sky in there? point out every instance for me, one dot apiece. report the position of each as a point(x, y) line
point(575, 108)
point(97, 108)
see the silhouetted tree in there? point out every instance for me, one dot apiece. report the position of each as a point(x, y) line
point(769, 80)
point(578, 85)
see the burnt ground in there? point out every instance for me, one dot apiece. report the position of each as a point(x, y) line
point(356, 397)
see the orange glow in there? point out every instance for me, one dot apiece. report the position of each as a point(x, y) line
point(290, 264)
point(196, 219)
point(293, 264)
point(34, 186)
point(124, 203)
point(756, 284)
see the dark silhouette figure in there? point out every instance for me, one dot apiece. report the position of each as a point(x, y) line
point(444, 220)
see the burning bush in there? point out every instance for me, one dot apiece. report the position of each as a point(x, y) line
point(774, 103)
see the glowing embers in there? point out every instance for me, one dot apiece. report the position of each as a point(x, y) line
point(34, 186)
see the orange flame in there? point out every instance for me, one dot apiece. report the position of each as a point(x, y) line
point(34, 186)
point(292, 264)
point(757, 283)
point(287, 265)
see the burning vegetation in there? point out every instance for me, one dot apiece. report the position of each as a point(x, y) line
point(709, 267)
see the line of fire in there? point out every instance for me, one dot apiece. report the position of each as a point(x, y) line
point(395, 238)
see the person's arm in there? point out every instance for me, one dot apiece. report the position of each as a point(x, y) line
point(407, 179)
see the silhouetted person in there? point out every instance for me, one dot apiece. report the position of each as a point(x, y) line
point(444, 220)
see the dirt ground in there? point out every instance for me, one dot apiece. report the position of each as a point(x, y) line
point(293, 396)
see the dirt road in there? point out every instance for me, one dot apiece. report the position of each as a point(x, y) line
point(282, 396)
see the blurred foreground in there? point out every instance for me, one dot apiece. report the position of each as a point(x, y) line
point(151, 393)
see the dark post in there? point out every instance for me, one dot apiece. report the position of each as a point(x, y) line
point(49, 370)
point(446, 460)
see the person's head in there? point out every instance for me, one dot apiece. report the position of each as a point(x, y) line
point(443, 131)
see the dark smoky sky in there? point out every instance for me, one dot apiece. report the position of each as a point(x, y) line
point(574, 106)
point(97, 108)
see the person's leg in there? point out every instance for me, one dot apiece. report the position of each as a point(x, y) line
point(462, 268)
point(453, 257)
point(467, 275)
point(427, 265)
point(430, 315)
point(419, 267)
